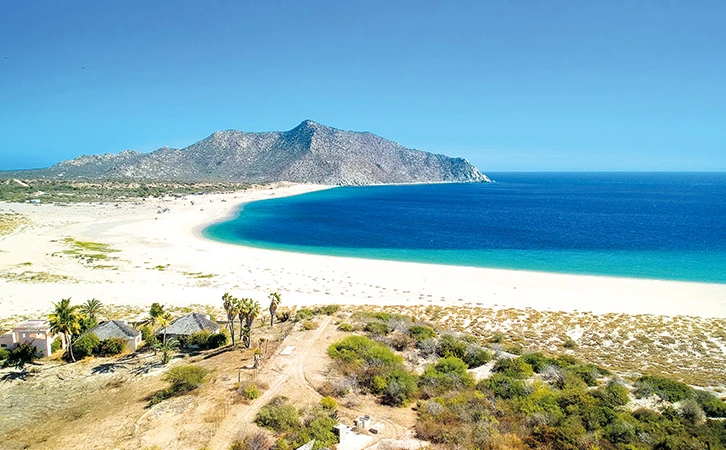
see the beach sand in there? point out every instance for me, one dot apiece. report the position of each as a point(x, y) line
point(162, 258)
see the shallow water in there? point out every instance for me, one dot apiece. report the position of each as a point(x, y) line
point(644, 225)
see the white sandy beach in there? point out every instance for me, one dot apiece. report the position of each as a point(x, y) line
point(199, 271)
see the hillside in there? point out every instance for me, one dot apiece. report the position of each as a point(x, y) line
point(309, 153)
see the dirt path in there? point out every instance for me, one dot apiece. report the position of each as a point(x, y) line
point(291, 375)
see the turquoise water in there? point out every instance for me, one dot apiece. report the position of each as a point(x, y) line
point(660, 226)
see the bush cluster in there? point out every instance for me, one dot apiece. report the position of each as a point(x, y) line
point(345, 326)
point(303, 314)
point(667, 389)
point(421, 332)
point(182, 379)
point(308, 325)
point(296, 428)
point(447, 374)
point(464, 348)
point(376, 369)
point(89, 345)
point(328, 310)
point(112, 346)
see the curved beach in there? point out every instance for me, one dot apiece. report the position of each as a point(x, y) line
point(160, 256)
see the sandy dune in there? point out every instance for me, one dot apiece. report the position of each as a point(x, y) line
point(162, 257)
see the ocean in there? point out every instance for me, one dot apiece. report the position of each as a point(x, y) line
point(669, 226)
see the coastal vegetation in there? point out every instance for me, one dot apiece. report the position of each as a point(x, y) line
point(10, 222)
point(397, 366)
point(68, 191)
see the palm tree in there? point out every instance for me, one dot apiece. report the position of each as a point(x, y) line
point(167, 349)
point(248, 311)
point(275, 300)
point(91, 308)
point(163, 321)
point(156, 313)
point(230, 307)
point(67, 320)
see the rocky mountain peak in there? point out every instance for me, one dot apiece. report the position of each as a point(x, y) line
point(309, 153)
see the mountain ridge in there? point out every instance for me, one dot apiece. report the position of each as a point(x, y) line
point(309, 153)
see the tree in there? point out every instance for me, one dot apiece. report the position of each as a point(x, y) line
point(248, 311)
point(230, 305)
point(164, 320)
point(21, 355)
point(66, 320)
point(167, 349)
point(91, 309)
point(275, 300)
point(158, 317)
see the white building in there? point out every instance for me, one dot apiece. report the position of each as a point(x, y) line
point(35, 332)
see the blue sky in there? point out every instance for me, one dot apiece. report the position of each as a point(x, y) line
point(510, 85)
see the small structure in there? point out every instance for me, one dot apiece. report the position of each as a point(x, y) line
point(349, 439)
point(117, 329)
point(188, 325)
point(377, 428)
point(34, 332)
point(363, 422)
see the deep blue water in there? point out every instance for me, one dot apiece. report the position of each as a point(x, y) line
point(645, 225)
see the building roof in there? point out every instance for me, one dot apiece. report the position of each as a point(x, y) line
point(33, 325)
point(191, 323)
point(114, 329)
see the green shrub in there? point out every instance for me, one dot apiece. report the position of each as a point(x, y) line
point(86, 345)
point(475, 356)
point(278, 415)
point(513, 368)
point(329, 403)
point(55, 346)
point(514, 349)
point(569, 343)
point(310, 325)
point(538, 361)
point(462, 348)
point(712, 405)
point(587, 372)
point(217, 340)
point(199, 339)
point(345, 326)
point(692, 412)
point(251, 392)
point(4, 353)
point(21, 355)
point(182, 379)
point(303, 314)
point(328, 310)
point(421, 332)
point(112, 346)
point(377, 328)
point(400, 387)
point(446, 375)
point(667, 389)
point(503, 387)
point(376, 368)
point(497, 338)
point(565, 361)
point(186, 378)
point(613, 394)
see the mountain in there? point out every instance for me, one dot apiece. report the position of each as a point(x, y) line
point(309, 153)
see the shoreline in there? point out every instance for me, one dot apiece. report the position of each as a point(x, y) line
point(164, 257)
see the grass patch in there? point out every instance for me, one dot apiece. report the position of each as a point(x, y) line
point(9, 222)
